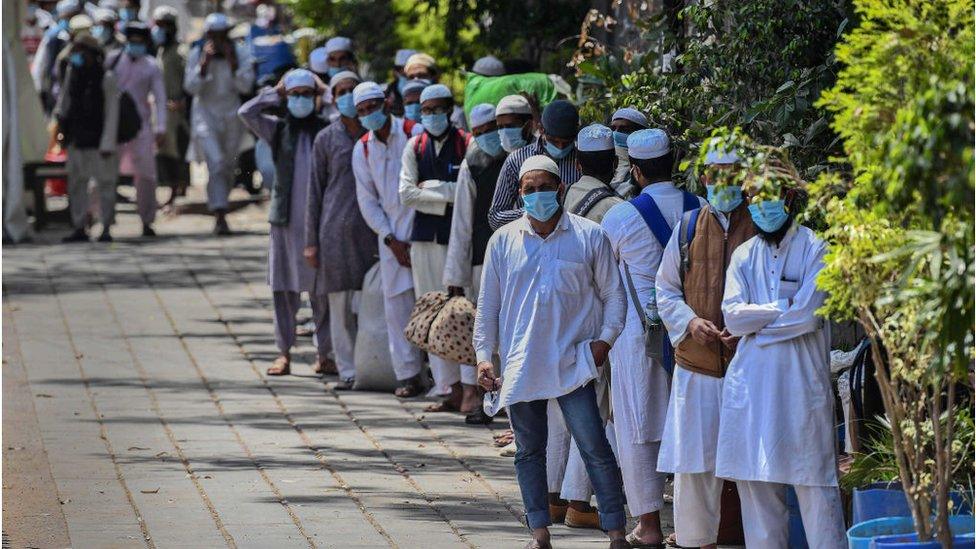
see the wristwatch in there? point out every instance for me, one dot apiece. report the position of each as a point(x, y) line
point(388, 239)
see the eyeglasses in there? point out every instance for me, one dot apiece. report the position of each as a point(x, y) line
point(435, 110)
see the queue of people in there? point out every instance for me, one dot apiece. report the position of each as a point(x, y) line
point(627, 328)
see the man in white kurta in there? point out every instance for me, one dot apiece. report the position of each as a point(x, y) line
point(639, 385)
point(376, 166)
point(776, 424)
point(552, 305)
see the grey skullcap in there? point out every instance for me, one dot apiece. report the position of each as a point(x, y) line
point(647, 144)
point(436, 91)
point(632, 114)
point(482, 114)
point(343, 75)
point(595, 137)
point(539, 162)
point(560, 119)
point(513, 104)
point(488, 65)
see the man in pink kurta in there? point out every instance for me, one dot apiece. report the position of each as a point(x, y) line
point(139, 74)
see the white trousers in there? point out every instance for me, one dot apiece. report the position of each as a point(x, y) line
point(405, 357)
point(83, 165)
point(576, 484)
point(765, 516)
point(697, 508)
point(643, 484)
point(342, 330)
point(565, 470)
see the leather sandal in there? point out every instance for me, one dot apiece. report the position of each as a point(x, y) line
point(636, 543)
point(409, 387)
point(280, 367)
point(325, 367)
point(583, 519)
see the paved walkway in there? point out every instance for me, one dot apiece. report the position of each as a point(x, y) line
point(136, 413)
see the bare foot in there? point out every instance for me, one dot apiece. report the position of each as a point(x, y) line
point(470, 399)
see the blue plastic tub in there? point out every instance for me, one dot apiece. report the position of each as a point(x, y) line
point(861, 536)
point(910, 541)
point(886, 499)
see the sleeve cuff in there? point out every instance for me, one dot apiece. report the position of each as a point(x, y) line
point(483, 355)
point(609, 335)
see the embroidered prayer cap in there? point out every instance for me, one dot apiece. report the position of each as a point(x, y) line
point(595, 137)
point(216, 22)
point(631, 114)
point(338, 43)
point(719, 156)
point(420, 60)
point(436, 91)
point(364, 91)
point(645, 144)
point(80, 23)
point(482, 114)
point(539, 162)
point(488, 65)
point(402, 55)
point(318, 60)
point(560, 119)
point(513, 104)
point(415, 85)
point(299, 78)
point(343, 75)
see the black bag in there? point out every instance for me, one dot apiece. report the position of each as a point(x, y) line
point(866, 398)
point(130, 121)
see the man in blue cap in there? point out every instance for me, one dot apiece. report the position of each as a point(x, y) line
point(560, 122)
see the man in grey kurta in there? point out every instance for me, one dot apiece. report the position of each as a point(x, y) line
point(291, 137)
point(338, 242)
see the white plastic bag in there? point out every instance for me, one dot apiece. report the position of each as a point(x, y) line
point(374, 368)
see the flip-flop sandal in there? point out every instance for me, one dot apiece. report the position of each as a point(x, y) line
point(442, 406)
point(325, 367)
point(280, 367)
point(409, 388)
point(638, 544)
point(478, 417)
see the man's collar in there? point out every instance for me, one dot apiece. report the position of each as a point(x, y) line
point(654, 187)
point(526, 226)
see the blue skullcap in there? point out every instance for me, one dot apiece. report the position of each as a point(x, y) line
point(482, 114)
point(365, 91)
point(299, 78)
point(416, 85)
point(595, 137)
point(632, 114)
point(488, 65)
point(645, 144)
point(338, 43)
point(318, 60)
point(402, 56)
point(560, 119)
point(436, 91)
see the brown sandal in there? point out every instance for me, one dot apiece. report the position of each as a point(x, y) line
point(409, 388)
point(281, 367)
point(443, 406)
point(325, 366)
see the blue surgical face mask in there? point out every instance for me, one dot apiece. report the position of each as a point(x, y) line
point(558, 153)
point(541, 205)
point(620, 139)
point(435, 124)
point(300, 106)
point(511, 138)
point(158, 35)
point(127, 14)
point(346, 106)
point(401, 82)
point(726, 198)
point(334, 71)
point(412, 111)
point(63, 24)
point(136, 50)
point(769, 215)
point(489, 142)
point(374, 120)
point(100, 33)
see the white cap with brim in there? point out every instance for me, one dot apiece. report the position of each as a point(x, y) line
point(646, 144)
point(318, 60)
point(594, 138)
point(539, 162)
point(482, 114)
point(343, 75)
point(338, 43)
point(216, 22)
point(299, 78)
point(366, 91)
point(436, 91)
point(631, 114)
point(513, 104)
point(402, 56)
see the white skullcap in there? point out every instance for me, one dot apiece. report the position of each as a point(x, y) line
point(402, 56)
point(513, 104)
point(80, 22)
point(416, 85)
point(595, 137)
point(216, 22)
point(103, 15)
point(436, 91)
point(482, 114)
point(165, 13)
point(364, 91)
point(66, 7)
point(343, 75)
point(422, 60)
point(109, 4)
point(645, 144)
point(632, 114)
point(719, 156)
point(338, 43)
point(318, 60)
point(488, 65)
point(539, 162)
point(298, 78)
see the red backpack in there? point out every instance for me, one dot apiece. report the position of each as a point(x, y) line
point(407, 129)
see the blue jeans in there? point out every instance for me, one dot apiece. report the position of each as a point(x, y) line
point(529, 421)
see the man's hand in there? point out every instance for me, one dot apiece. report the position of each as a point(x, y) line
point(730, 341)
point(280, 88)
point(486, 377)
point(600, 351)
point(401, 250)
point(209, 51)
point(703, 331)
point(160, 139)
point(311, 254)
point(320, 86)
point(455, 291)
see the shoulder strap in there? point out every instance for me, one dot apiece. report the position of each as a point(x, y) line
point(689, 201)
point(420, 145)
point(689, 221)
point(408, 126)
point(653, 217)
point(633, 296)
point(461, 142)
point(365, 140)
point(591, 199)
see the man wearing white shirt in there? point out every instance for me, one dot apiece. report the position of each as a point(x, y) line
point(689, 299)
point(776, 426)
point(376, 165)
point(428, 176)
point(552, 305)
point(638, 230)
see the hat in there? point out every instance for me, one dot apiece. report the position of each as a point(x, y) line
point(338, 43)
point(539, 162)
point(343, 75)
point(216, 22)
point(318, 60)
point(513, 104)
point(645, 144)
point(632, 114)
point(719, 156)
point(488, 65)
point(482, 114)
point(165, 13)
point(420, 60)
point(560, 119)
point(298, 78)
point(65, 8)
point(364, 91)
point(102, 15)
point(436, 91)
point(402, 56)
point(415, 85)
point(595, 137)
point(80, 22)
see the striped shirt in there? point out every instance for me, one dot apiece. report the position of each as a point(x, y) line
point(506, 206)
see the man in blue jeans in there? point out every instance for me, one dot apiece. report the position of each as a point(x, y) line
point(551, 305)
